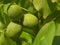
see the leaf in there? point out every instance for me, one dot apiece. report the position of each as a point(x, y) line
point(4, 16)
point(46, 9)
point(27, 37)
point(1, 1)
point(56, 40)
point(10, 41)
point(28, 30)
point(1, 19)
point(24, 43)
point(58, 30)
point(1, 5)
point(2, 38)
point(38, 4)
point(52, 16)
point(42, 4)
point(2, 26)
point(31, 9)
point(24, 3)
point(9, 1)
point(45, 35)
point(6, 6)
point(52, 6)
point(6, 19)
point(57, 21)
point(58, 5)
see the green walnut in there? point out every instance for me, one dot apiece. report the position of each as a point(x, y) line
point(13, 29)
point(30, 20)
point(14, 10)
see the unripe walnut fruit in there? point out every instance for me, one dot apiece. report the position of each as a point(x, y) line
point(30, 20)
point(13, 29)
point(14, 10)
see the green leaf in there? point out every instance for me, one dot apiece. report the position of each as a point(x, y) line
point(52, 16)
point(45, 35)
point(1, 1)
point(38, 4)
point(28, 30)
point(1, 5)
point(46, 9)
point(1, 19)
point(24, 3)
point(4, 17)
point(58, 5)
point(42, 4)
point(31, 9)
point(52, 6)
point(27, 37)
point(57, 20)
point(10, 41)
point(58, 29)
point(2, 38)
point(9, 1)
point(2, 26)
point(24, 43)
point(6, 6)
point(56, 40)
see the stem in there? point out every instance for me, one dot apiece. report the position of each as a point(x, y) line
point(30, 31)
point(25, 9)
